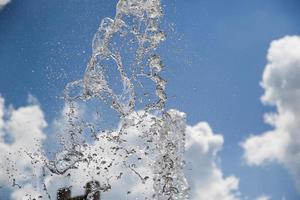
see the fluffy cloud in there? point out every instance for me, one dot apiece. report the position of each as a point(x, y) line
point(21, 133)
point(281, 83)
point(204, 175)
point(3, 3)
point(25, 128)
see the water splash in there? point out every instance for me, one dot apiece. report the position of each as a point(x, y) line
point(135, 30)
point(124, 73)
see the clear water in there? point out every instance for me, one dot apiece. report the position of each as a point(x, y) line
point(123, 77)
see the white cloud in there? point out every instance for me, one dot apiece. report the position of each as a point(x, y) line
point(281, 83)
point(204, 175)
point(21, 132)
point(3, 3)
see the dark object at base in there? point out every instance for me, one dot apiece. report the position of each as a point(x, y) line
point(91, 192)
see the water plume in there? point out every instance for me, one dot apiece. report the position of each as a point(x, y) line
point(123, 75)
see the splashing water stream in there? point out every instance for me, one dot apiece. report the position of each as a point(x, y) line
point(124, 73)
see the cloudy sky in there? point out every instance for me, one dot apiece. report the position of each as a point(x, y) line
point(232, 67)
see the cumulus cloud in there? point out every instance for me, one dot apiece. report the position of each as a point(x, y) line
point(3, 3)
point(281, 83)
point(21, 133)
point(203, 172)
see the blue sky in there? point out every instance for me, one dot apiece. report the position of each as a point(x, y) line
point(215, 60)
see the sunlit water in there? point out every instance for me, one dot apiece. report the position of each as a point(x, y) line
point(123, 77)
